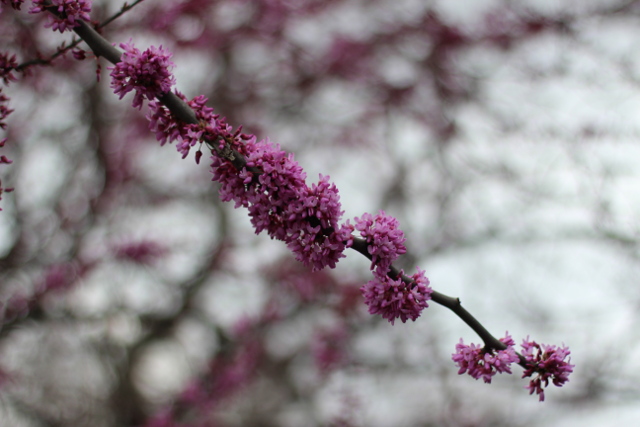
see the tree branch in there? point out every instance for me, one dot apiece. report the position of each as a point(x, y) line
point(101, 47)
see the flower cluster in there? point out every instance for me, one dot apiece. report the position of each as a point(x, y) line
point(315, 236)
point(148, 73)
point(484, 363)
point(280, 203)
point(384, 237)
point(546, 362)
point(167, 128)
point(271, 185)
point(396, 298)
point(68, 12)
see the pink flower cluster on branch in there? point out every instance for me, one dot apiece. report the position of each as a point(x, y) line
point(391, 297)
point(66, 13)
point(545, 363)
point(271, 185)
point(395, 298)
point(148, 73)
point(261, 177)
point(167, 128)
point(542, 362)
point(385, 239)
point(306, 218)
point(481, 362)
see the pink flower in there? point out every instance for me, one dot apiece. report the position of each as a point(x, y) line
point(79, 54)
point(271, 186)
point(547, 362)
point(394, 299)
point(385, 239)
point(168, 128)
point(68, 12)
point(484, 363)
point(279, 201)
point(315, 235)
point(148, 73)
point(7, 65)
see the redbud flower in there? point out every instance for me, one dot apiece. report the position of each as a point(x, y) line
point(277, 197)
point(148, 73)
point(79, 54)
point(385, 239)
point(394, 299)
point(68, 12)
point(484, 363)
point(14, 3)
point(546, 362)
point(7, 65)
point(168, 128)
point(315, 235)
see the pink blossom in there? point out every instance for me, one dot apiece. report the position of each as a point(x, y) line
point(168, 128)
point(546, 362)
point(279, 201)
point(68, 12)
point(271, 186)
point(7, 65)
point(315, 235)
point(394, 299)
point(79, 54)
point(385, 239)
point(274, 197)
point(484, 363)
point(148, 73)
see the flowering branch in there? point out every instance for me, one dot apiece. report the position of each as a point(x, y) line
point(261, 177)
point(64, 48)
